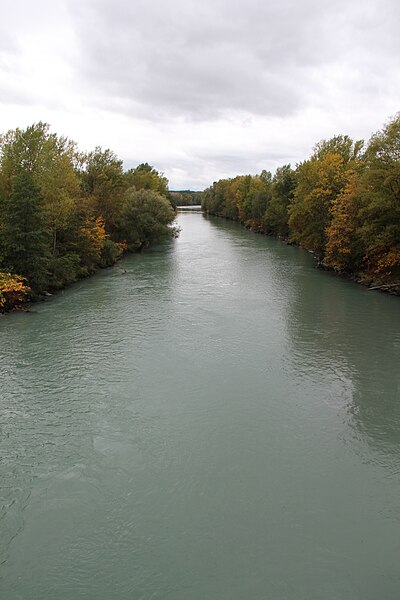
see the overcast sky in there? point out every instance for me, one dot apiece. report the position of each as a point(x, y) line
point(201, 89)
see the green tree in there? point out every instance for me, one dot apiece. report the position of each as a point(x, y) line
point(380, 210)
point(282, 191)
point(22, 150)
point(145, 217)
point(103, 185)
point(23, 236)
point(52, 163)
point(146, 177)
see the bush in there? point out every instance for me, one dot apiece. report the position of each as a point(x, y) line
point(14, 290)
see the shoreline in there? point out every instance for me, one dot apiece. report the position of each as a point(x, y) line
point(25, 307)
point(390, 287)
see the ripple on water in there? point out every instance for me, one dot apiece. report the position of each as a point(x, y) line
point(219, 421)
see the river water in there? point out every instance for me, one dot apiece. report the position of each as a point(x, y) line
point(213, 419)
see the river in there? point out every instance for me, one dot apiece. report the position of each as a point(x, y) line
point(212, 419)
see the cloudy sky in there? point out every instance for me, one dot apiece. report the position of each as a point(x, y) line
point(201, 89)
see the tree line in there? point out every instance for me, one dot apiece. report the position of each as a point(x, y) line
point(342, 203)
point(186, 198)
point(66, 213)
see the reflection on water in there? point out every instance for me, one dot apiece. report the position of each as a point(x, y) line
point(214, 419)
point(355, 335)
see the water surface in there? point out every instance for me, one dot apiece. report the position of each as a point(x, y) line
point(213, 419)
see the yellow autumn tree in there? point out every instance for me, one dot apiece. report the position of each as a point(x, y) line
point(320, 180)
point(344, 249)
point(93, 240)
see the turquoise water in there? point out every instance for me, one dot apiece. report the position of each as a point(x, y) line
point(211, 419)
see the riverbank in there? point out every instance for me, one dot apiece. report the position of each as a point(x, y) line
point(15, 306)
point(61, 220)
point(341, 204)
point(17, 296)
point(373, 283)
point(20, 297)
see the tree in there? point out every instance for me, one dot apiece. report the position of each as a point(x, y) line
point(380, 210)
point(345, 248)
point(146, 217)
point(320, 180)
point(13, 291)
point(22, 150)
point(51, 161)
point(146, 177)
point(282, 190)
point(103, 185)
point(23, 236)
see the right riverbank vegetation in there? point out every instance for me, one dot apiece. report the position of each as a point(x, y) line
point(65, 213)
point(342, 204)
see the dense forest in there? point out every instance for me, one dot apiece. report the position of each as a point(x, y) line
point(342, 204)
point(65, 213)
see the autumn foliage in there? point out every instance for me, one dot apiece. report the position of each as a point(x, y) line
point(342, 204)
point(13, 291)
point(63, 212)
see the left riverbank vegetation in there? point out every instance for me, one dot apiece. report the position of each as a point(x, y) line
point(342, 204)
point(66, 213)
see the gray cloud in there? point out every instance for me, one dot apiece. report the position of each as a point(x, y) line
point(202, 90)
point(8, 43)
point(200, 60)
